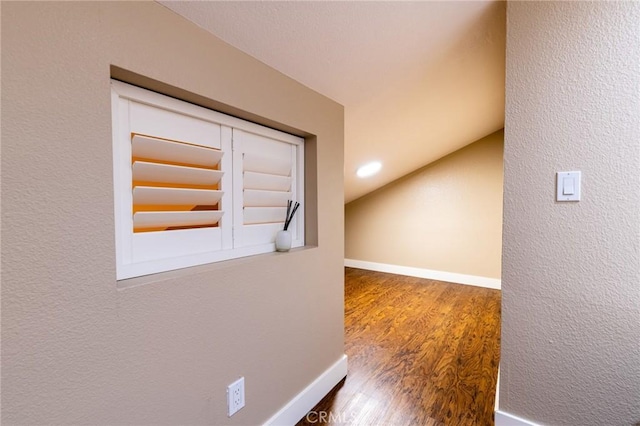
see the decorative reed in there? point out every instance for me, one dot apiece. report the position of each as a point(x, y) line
point(290, 213)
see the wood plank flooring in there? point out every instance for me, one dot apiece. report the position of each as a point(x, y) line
point(421, 352)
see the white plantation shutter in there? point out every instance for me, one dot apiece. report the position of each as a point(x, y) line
point(194, 186)
point(170, 159)
point(266, 176)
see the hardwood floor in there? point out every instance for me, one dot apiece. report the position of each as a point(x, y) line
point(421, 352)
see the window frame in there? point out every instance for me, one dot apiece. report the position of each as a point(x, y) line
point(121, 96)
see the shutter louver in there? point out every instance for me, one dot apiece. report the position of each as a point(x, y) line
point(175, 185)
point(266, 188)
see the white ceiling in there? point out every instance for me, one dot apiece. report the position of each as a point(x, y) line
point(418, 80)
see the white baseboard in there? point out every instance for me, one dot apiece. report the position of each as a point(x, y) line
point(506, 419)
point(451, 277)
point(300, 405)
point(497, 400)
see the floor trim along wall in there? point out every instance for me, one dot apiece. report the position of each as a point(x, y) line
point(300, 405)
point(506, 419)
point(450, 277)
point(497, 400)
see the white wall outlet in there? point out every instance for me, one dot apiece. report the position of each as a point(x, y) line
point(235, 396)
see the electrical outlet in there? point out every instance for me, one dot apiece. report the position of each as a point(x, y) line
point(235, 396)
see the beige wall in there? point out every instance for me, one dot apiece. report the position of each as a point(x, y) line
point(446, 216)
point(571, 271)
point(75, 348)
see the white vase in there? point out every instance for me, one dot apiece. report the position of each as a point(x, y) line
point(283, 241)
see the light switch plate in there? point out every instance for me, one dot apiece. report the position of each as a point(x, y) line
point(568, 186)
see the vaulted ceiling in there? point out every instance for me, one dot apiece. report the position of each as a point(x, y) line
point(418, 80)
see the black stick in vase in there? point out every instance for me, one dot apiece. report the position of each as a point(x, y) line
point(290, 214)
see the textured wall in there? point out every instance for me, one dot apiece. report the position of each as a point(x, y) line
point(446, 216)
point(571, 271)
point(75, 348)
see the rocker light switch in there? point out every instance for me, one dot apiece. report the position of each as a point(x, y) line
point(568, 186)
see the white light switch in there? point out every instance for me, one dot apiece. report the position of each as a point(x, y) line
point(568, 186)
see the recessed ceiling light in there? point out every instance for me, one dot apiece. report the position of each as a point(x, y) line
point(369, 169)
